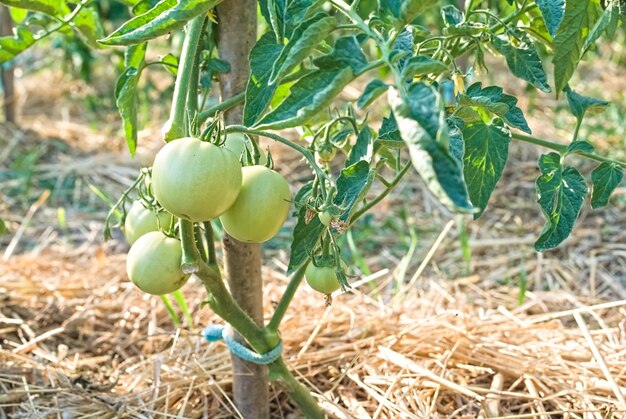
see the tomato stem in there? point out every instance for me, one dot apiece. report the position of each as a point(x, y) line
point(208, 234)
point(285, 300)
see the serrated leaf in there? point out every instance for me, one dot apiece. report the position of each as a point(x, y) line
point(305, 239)
point(579, 104)
point(560, 194)
point(352, 185)
point(126, 92)
point(305, 39)
point(484, 159)
point(421, 65)
point(604, 179)
point(452, 15)
point(552, 12)
point(346, 53)
point(165, 17)
point(608, 16)
point(87, 24)
point(420, 117)
point(258, 91)
point(404, 11)
point(309, 95)
point(568, 42)
point(580, 146)
point(522, 59)
point(494, 100)
point(389, 135)
point(12, 45)
point(362, 148)
point(403, 46)
point(372, 91)
point(285, 15)
point(50, 7)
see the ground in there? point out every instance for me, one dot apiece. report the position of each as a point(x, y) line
point(425, 332)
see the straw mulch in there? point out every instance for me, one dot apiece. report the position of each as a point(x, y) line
point(77, 340)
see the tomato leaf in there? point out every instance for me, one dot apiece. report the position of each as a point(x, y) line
point(421, 65)
point(404, 11)
point(346, 53)
point(522, 58)
point(568, 42)
point(552, 12)
point(560, 194)
point(87, 24)
point(258, 91)
point(126, 92)
point(352, 185)
point(362, 148)
point(494, 100)
point(12, 45)
point(420, 117)
point(372, 91)
point(166, 16)
point(285, 15)
point(485, 156)
point(305, 239)
point(579, 104)
point(606, 23)
point(305, 39)
point(49, 7)
point(580, 146)
point(604, 179)
point(389, 135)
point(451, 15)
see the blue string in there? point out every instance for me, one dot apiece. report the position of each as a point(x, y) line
point(215, 332)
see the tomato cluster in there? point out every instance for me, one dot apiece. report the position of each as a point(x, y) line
point(200, 181)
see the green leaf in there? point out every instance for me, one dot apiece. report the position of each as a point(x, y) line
point(12, 45)
point(18, 15)
point(552, 12)
point(165, 17)
point(258, 91)
point(421, 65)
point(389, 135)
point(403, 47)
point(309, 96)
point(372, 91)
point(50, 7)
point(457, 145)
point(87, 23)
point(579, 104)
point(285, 15)
point(352, 185)
point(485, 156)
point(568, 42)
point(420, 117)
point(171, 62)
point(362, 149)
point(3, 227)
point(522, 59)
point(305, 239)
point(346, 53)
point(560, 194)
point(143, 6)
point(403, 11)
point(606, 23)
point(604, 179)
point(580, 146)
point(126, 92)
point(305, 39)
point(493, 99)
point(451, 15)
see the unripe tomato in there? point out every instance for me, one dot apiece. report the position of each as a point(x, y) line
point(195, 180)
point(325, 218)
point(141, 220)
point(325, 153)
point(261, 207)
point(322, 278)
point(237, 144)
point(153, 264)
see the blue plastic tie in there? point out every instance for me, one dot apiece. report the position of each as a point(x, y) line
point(215, 332)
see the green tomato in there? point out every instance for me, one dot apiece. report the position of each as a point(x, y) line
point(261, 207)
point(326, 153)
point(141, 220)
point(153, 264)
point(322, 278)
point(325, 218)
point(237, 144)
point(195, 180)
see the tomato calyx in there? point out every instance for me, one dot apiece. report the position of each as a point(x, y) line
point(325, 152)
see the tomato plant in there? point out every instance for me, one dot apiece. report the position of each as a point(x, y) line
point(141, 220)
point(196, 180)
point(323, 278)
point(153, 264)
point(455, 132)
point(261, 207)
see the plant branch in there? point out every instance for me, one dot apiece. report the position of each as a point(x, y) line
point(391, 185)
point(560, 148)
point(297, 392)
point(208, 234)
point(285, 300)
